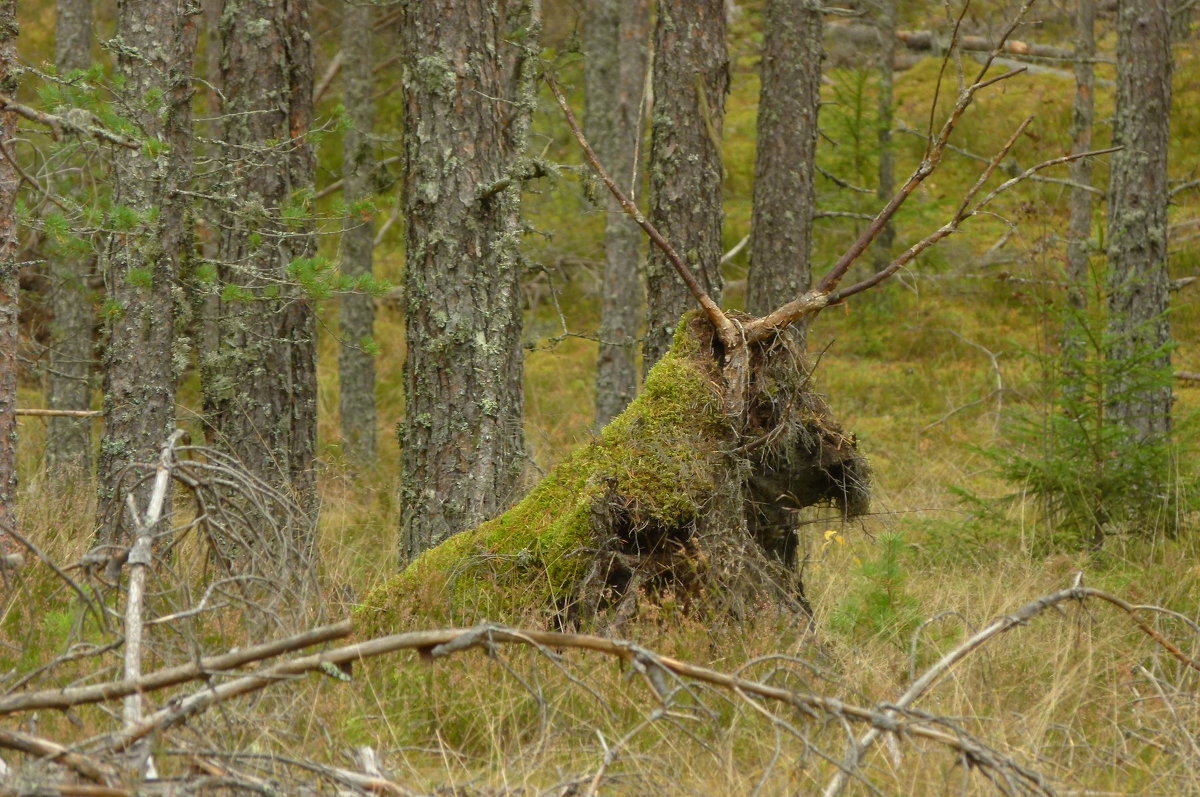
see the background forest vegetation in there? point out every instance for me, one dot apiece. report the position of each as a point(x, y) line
point(949, 377)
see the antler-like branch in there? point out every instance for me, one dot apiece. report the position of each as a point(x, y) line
point(817, 299)
point(725, 328)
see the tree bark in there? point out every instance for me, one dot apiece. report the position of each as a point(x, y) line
point(616, 35)
point(1140, 394)
point(260, 383)
point(143, 261)
point(691, 78)
point(468, 96)
point(68, 387)
point(9, 288)
point(356, 362)
point(1079, 229)
point(784, 166)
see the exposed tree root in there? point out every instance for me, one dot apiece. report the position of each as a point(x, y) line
point(677, 502)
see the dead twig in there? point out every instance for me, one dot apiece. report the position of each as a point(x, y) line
point(725, 328)
point(205, 667)
point(436, 644)
point(994, 629)
point(85, 766)
point(39, 413)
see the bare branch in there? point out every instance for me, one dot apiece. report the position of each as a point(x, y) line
point(725, 328)
point(203, 668)
point(809, 304)
point(85, 766)
point(436, 644)
point(952, 226)
point(994, 629)
point(38, 413)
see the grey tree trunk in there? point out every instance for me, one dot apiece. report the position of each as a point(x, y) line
point(1079, 229)
point(468, 96)
point(691, 78)
point(260, 383)
point(10, 182)
point(616, 43)
point(143, 262)
point(356, 364)
point(72, 35)
point(1140, 397)
point(68, 386)
point(886, 106)
point(784, 167)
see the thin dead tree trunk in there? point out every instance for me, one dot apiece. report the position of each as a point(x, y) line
point(68, 386)
point(616, 38)
point(10, 182)
point(356, 363)
point(1079, 229)
point(784, 167)
point(887, 152)
point(1138, 283)
point(691, 78)
point(143, 264)
point(468, 97)
point(260, 383)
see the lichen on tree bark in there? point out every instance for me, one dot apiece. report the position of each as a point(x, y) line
point(260, 382)
point(469, 67)
point(784, 188)
point(140, 365)
point(9, 288)
point(1139, 332)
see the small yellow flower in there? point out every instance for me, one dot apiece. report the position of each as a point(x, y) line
point(830, 536)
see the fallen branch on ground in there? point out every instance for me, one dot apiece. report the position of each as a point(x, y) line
point(994, 629)
point(172, 676)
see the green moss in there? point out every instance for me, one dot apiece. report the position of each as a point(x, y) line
point(657, 461)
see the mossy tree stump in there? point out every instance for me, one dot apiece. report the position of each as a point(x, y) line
point(676, 502)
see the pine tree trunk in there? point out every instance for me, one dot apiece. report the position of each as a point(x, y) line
point(260, 383)
point(1079, 228)
point(356, 364)
point(691, 78)
point(9, 289)
point(616, 36)
point(143, 262)
point(468, 96)
point(1140, 395)
point(784, 167)
point(68, 387)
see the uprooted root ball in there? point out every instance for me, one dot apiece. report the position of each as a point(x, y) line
point(675, 502)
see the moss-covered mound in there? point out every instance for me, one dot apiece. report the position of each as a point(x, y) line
point(674, 502)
